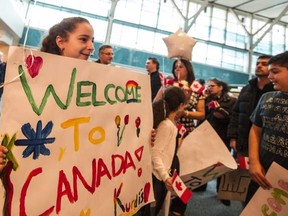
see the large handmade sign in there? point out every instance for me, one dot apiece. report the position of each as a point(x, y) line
point(78, 137)
point(273, 201)
point(203, 156)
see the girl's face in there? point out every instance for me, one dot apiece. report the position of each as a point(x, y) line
point(180, 71)
point(79, 43)
point(214, 89)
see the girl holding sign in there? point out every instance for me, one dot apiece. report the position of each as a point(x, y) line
point(72, 37)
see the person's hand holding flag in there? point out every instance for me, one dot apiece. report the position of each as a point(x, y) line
point(180, 188)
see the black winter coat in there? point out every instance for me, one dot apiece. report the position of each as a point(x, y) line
point(220, 124)
point(240, 124)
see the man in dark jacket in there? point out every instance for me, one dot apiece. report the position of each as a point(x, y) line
point(152, 67)
point(240, 124)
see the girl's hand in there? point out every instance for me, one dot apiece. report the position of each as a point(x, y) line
point(3, 151)
point(168, 184)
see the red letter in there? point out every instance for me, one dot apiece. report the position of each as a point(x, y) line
point(114, 172)
point(128, 162)
point(33, 173)
point(77, 174)
point(101, 171)
point(63, 181)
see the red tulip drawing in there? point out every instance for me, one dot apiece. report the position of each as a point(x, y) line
point(126, 121)
point(137, 124)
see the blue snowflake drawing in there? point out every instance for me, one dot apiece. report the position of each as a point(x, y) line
point(36, 141)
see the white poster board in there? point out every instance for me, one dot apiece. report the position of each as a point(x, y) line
point(203, 157)
point(273, 201)
point(77, 135)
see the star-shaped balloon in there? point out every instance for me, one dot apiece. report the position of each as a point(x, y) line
point(180, 45)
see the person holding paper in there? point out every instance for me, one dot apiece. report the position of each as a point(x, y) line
point(166, 143)
point(268, 135)
point(72, 37)
point(219, 106)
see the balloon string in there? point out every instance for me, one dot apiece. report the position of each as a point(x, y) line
point(17, 77)
point(12, 80)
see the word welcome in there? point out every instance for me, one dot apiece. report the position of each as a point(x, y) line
point(112, 94)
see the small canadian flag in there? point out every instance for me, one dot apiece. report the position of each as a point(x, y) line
point(197, 87)
point(243, 162)
point(179, 187)
point(181, 129)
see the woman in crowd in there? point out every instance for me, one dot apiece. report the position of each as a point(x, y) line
point(218, 106)
point(72, 37)
point(184, 77)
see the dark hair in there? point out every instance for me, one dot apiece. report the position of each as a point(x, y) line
point(225, 87)
point(189, 68)
point(62, 29)
point(201, 81)
point(155, 61)
point(103, 47)
point(264, 57)
point(172, 98)
point(279, 59)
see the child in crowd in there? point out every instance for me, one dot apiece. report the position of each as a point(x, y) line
point(164, 152)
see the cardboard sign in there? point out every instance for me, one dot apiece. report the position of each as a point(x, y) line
point(234, 185)
point(273, 201)
point(77, 135)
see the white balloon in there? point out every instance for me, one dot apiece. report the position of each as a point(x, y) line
point(180, 45)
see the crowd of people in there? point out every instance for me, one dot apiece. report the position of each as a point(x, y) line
point(243, 123)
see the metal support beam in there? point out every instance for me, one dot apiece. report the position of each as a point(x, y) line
point(110, 21)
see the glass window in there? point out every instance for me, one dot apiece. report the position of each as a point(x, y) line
point(199, 52)
point(100, 7)
point(169, 18)
point(214, 55)
point(278, 37)
point(124, 35)
point(128, 10)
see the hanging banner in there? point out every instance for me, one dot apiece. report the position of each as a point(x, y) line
point(77, 135)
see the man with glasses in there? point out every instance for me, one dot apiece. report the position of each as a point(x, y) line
point(105, 53)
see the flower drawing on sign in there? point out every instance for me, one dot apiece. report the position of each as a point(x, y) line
point(118, 122)
point(137, 124)
point(9, 144)
point(36, 141)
